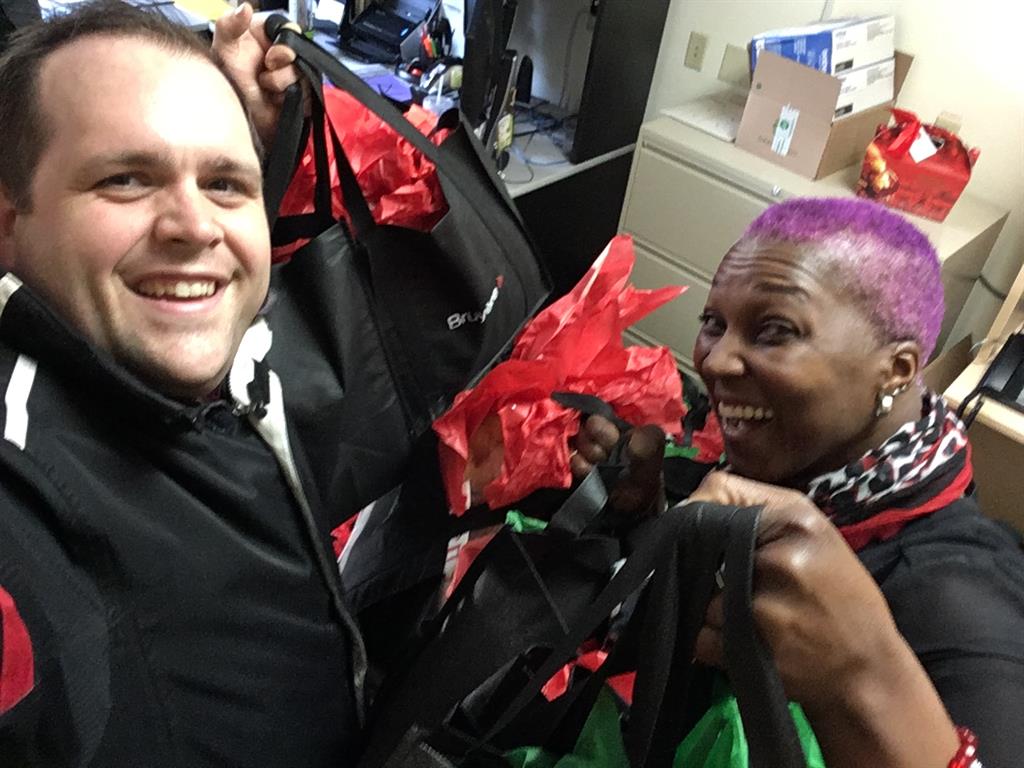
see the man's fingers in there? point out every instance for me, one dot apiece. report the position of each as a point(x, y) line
point(279, 57)
point(232, 25)
point(277, 81)
point(258, 27)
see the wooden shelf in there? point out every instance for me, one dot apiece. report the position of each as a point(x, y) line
point(993, 414)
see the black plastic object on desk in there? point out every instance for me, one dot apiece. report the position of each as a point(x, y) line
point(387, 31)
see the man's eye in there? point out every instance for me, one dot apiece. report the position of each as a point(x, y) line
point(223, 185)
point(121, 181)
point(227, 185)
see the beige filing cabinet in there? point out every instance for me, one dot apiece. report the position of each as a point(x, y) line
point(997, 435)
point(690, 196)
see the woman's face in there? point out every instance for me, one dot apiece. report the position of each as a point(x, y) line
point(793, 367)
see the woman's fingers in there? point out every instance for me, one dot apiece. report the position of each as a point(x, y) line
point(709, 648)
point(596, 439)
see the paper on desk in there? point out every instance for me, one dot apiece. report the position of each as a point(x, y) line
point(718, 114)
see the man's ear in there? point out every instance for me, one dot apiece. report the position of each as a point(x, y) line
point(904, 362)
point(8, 218)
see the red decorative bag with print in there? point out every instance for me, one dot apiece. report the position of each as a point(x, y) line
point(915, 167)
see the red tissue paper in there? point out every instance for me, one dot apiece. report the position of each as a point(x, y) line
point(510, 434)
point(399, 183)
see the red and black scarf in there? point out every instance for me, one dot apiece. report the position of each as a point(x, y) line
point(923, 467)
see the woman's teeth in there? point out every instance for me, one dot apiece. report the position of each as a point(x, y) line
point(744, 412)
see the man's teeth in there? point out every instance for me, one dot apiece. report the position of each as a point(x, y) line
point(744, 412)
point(179, 289)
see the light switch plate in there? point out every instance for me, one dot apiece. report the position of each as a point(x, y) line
point(735, 68)
point(695, 51)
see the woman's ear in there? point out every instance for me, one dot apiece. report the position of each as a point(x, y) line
point(904, 363)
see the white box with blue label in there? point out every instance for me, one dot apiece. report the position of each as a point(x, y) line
point(831, 47)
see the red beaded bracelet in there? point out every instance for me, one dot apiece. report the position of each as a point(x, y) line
point(965, 755)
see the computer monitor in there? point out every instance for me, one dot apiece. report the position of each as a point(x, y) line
point(487, 34)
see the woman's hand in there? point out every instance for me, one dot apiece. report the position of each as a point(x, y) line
point(832, 636)
point(261, 71)
point(641, 488)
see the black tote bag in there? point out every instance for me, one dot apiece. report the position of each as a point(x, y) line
point(377, 328)
point(530, 601)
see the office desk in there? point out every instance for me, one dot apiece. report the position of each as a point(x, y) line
point(997, 435)
point(571, 211)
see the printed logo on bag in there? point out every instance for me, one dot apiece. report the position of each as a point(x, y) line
point(460, 319)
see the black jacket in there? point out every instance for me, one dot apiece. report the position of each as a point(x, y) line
point(170, 566)
point(955, 584)
point(15, 14)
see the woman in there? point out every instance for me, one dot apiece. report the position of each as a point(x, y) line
point(892, 607)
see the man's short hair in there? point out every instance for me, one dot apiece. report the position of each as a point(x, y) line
point(883, 261)
point(22, 122)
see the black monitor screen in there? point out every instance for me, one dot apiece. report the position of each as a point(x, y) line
point(486, 38)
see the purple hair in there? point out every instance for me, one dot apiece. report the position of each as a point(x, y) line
point(884, 260)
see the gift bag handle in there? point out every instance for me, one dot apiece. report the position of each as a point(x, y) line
point(764, 709)
point(657, 724)
point(683, 548)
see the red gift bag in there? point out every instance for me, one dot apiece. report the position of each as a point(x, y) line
point(927, 187)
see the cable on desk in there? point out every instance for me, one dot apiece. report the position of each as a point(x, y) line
point(984, 283)
point(542, 122)
point(527, 180)
point(529, 162)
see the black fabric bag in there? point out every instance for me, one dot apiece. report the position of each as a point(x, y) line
point(377, 328)
point(530, 601)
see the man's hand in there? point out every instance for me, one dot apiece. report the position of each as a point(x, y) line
point(641, 488)
point(831, 634)
point(261, 71)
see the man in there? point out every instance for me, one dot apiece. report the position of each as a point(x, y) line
point(168, 595)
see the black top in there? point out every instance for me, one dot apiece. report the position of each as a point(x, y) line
point(182, 605)
point(955, 583)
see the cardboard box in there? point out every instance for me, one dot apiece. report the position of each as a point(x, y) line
point(866, 87)
point(830, 46)
point(788, 118)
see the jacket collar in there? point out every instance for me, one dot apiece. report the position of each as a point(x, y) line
point(30, 326)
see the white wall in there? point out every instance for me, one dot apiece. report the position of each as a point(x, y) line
point(969, 59)
point(543, 30)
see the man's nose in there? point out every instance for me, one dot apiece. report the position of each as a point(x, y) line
point(188, 217)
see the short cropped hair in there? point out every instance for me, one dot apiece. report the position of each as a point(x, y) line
point(22, 123)
point(884, 262)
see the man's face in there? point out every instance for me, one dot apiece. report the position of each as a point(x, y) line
point(146, 230)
